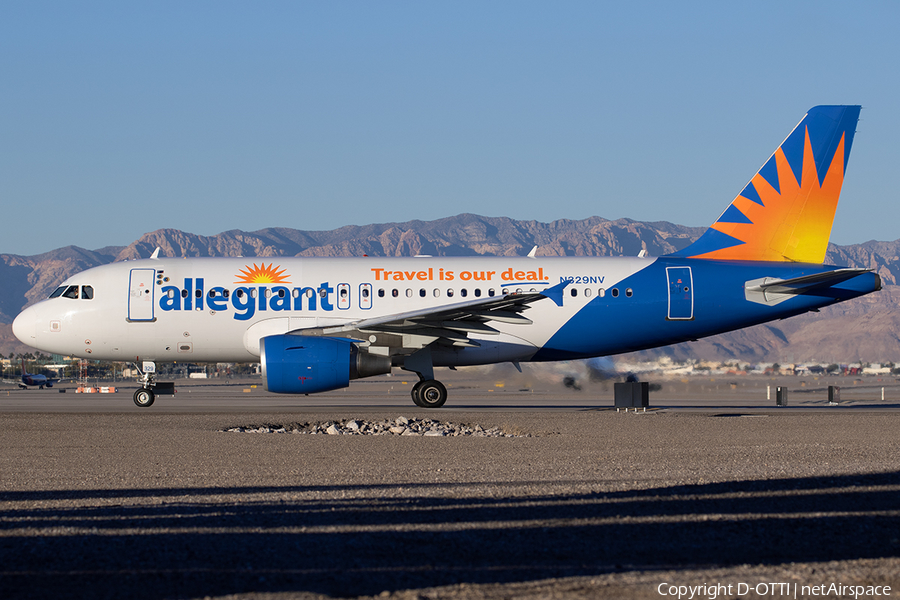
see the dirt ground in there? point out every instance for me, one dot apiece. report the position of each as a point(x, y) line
point(101, 499)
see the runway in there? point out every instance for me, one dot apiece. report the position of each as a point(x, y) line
point(495, 390)
point(101, 499)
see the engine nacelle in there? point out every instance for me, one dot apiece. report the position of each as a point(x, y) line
point(303, 364)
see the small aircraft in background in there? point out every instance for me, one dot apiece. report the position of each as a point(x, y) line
point(35, 379)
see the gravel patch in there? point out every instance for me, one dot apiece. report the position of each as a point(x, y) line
point(398, 427)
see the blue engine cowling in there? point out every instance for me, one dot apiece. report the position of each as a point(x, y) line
point(302, 364)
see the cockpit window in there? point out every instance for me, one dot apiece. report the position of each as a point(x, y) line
point(87, 292)
point(71, 292)
point(58, 291)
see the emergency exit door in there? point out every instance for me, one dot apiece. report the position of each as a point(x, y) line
point(681, 294)
point(140, 295)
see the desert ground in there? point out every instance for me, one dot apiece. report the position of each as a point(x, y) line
point(208, 493)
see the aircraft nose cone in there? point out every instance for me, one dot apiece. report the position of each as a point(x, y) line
point(24, 326)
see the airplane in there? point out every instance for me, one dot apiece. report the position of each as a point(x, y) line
point(35, 379)
point(315, 324)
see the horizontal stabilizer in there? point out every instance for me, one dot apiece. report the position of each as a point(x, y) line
point(771, 290)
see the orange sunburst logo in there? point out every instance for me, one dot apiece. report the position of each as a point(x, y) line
point(262, 274)
point(791, 224)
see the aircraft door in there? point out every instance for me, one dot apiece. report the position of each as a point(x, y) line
point(343, 290)
point(365, 296)
point(681, 294)
point(141, 295)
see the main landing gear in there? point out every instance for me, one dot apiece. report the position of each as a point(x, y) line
point(428, 392)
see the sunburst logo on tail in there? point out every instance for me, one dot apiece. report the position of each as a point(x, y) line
point(790, 223)
point(262, 274)
point(786, 211)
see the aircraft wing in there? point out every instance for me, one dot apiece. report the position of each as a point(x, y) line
point(448, 324)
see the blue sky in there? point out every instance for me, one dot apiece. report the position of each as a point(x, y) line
point(117, 119)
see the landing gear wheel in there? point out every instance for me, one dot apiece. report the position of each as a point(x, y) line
point(414, 392)
point(429, 394)
point(144, 397)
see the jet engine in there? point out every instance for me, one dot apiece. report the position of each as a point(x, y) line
point(303, 364)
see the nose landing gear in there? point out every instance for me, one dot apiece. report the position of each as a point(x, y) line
point(144, 397)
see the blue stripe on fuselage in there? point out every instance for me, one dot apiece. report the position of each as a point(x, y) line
point(611, 325)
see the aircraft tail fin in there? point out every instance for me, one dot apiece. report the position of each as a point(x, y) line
point(786, 211)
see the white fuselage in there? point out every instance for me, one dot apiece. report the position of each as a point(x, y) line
point(217, 309)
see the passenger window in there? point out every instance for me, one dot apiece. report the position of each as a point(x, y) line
point(587, 292)
point(198, 293)
point(629, 292)
point(491, 292)
point(71, 292)
point(422, 293)
point(225, 293)
point(408, 293)
point(437, 293)
point(211, 294)
point(239, 293)
point(574, 292)
point(463, 292)
point(58, 292)
point(395, 293)
point(281, 293)
point(450, 293)
point(381, 293)
point(615, 292)
point(478, 293)
point(601, 292)
point(87, 292)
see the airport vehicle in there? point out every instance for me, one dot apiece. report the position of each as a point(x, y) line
point(35, 379)
point(315, 324)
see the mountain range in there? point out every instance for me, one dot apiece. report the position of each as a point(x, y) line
point(866, 329)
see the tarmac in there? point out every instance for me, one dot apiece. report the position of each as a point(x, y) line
point(712, 485)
